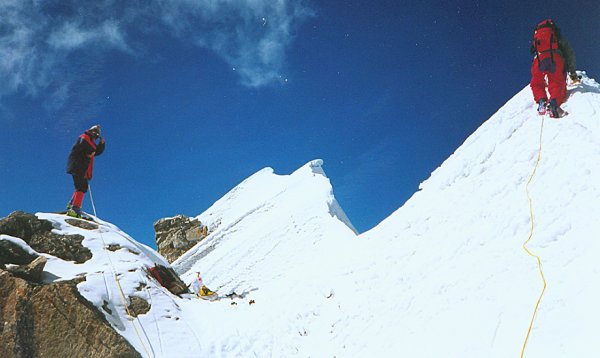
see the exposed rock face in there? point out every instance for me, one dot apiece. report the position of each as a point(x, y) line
point(54, 321)
point(82, 224)
point(174, 236)
point(32, 271)
point(138, 306)
point(38, 234)
point(11, 253)
point(21, 262)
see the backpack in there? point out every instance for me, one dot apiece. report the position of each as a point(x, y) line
point(545, 39)
point(168, 279)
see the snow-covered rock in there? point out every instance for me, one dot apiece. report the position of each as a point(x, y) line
point(42, 314)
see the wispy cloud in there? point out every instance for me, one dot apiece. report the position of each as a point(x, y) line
point(251, 35)
point(37, 38)
point(74, 35)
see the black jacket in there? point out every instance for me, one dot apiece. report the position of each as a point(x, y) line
point(80, 157)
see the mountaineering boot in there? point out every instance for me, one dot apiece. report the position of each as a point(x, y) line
point(555, 110)
point(541, 107)
point(70, 205)
point(75, 212)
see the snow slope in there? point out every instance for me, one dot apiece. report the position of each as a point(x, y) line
point(455, 280)
point(274, 240)
point(443, 276)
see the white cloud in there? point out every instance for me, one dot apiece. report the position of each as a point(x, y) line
point(72, 36)
point(250, 35)
point(38, 37)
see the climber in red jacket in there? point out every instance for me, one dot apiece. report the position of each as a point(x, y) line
point(553, 58)
point(81, 165)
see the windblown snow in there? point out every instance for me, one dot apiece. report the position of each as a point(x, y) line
point(444, 276)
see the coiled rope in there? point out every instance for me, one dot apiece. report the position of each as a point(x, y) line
point(114, 271)
point(539, 261)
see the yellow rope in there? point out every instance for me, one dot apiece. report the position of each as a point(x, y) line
point(114, 271)
point(539, 261)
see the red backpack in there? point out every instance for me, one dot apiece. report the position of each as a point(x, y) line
point(545, 39)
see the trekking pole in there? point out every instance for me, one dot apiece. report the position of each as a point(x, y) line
point(92, 199)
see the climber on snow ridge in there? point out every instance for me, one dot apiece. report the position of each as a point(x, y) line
point(81, 165)
point(553, 58)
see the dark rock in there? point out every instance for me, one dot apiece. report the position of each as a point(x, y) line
point(174, 236)
point(23, 225)
point(138, 306)
point(114, 247)
point(106, 307)
point(82, 224)
point(32, 271)
point(54, 320)
point(12, 253)
point(39, 236)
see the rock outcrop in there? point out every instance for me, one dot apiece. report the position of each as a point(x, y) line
point(30, 272)
point(11, 253)
point(39, 236)
point(20, 261)
point(53, 320)
point(174, 236)
point(138, 306)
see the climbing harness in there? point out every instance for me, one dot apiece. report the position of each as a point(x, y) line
point(539, 261)
point(114, 271)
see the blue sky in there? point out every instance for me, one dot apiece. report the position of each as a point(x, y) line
point(195, 96)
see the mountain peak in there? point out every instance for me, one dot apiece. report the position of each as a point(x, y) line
point(315, 166)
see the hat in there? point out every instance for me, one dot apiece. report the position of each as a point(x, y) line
point(95, 129)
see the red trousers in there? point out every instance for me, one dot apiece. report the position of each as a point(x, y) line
point(77, 199)
point(81, 187)
point(557, 79)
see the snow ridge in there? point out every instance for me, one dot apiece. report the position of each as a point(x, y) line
point(465, 270)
